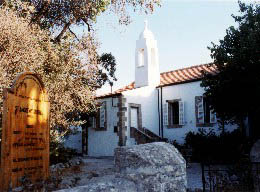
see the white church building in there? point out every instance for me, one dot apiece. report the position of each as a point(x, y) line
point(155, 106)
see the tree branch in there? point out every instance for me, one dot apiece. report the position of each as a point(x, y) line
point(73, 34)
point(66, 26)
point(86, 22)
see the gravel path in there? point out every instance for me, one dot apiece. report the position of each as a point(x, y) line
point(194, 176)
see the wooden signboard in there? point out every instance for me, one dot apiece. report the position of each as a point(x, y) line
point(25, 133)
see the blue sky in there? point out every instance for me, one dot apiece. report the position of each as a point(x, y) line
point(183, 30)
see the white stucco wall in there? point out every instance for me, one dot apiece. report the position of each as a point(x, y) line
point(103, 143)
point(148, 73)
point(147, 77)
point(75, 141)
point(186, 92)
point(148, 98)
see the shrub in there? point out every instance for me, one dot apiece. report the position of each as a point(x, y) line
point(226, 147)
point(60, 154)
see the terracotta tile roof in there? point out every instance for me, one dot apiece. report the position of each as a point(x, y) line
point(119, 91)
point(184, 75)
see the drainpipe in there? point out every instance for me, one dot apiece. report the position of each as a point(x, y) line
point(158, 91)
point(161, 112)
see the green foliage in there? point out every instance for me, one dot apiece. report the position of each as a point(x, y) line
point(177, 145)
point(107, 62)
point(62, 14)
point(226, 147)
point(68, 65)
point(60, 154)
point(235, 91)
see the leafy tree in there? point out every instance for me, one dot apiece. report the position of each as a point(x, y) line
point(63, 14)
point(108, 68)
point(69, 79)
point(235, 91)
point(69, 66)
point(59, 15)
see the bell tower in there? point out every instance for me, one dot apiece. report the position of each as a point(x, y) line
point(146, 59)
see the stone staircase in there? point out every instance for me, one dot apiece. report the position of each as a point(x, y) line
point(144, 135)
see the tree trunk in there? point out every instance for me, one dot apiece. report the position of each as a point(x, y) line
point(65, 28)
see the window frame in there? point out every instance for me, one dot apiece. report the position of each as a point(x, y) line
point(139, 117)
point(204, 124)
point(97, 117)
point(141, 57)
point(170, 123)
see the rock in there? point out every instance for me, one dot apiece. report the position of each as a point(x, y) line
point(18, 189)
point(75, 161)
point(66, 183)
point(53, 168)
point(106, 185)
point(152, 167)
point(94, 174)
point(59, 166)
point(255, 152)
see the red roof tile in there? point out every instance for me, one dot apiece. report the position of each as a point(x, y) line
point(119, 91)
point(179, 76)
point(185, 75)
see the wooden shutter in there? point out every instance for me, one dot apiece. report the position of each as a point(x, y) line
point(199, 109)
point(181, 113)
point(115, 118)
point(213, 117)
point(94, 123)
point(165, 114)
point(102, 117)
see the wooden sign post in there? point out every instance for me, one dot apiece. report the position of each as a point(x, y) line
point(25, 132)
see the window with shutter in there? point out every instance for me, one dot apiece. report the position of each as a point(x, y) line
point(199, 109)
point(102, 116)
point(213, 117)
point(181, 113)
point(175, 113)
point(204, 115)
point(114, 119)
point(174, 116)
point(94, 123)
point(165, 114)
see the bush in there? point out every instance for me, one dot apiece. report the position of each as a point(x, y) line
point(176, 145)
point(227, 147)
point(60, 154)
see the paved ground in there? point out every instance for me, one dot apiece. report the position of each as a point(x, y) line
point(194, 176)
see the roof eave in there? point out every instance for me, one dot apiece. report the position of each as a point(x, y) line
point(178, 83)
point(107, 96)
